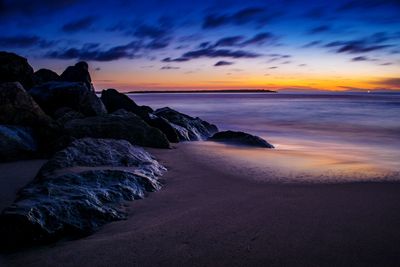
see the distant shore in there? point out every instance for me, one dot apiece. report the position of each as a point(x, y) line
point(202, 91)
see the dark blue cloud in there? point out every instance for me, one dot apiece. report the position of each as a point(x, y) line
point(24, 41)
point(169, 68)
point(320, 29)
point(223, 63)
point(79, 25)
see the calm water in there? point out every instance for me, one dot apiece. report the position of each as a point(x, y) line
point(350, 136)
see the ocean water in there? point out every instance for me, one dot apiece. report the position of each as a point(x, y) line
point(345, 137)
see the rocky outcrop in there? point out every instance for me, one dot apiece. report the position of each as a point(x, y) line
point(78, 73)
point(17, 107)
point(118, 125)
point(240, 138)
point(164, 126)
point(81, 188)
point(43, 76)
point(75, 95)
point(14, 68)
point(197, 129)
point(113, 101)
point(16, 143)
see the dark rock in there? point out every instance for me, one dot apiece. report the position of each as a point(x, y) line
point(78, 190)
point(63, 115)
point(78, 73)
point(17, 107)
point(14, 68)
point(54, 95)
point(197, 129)
point(164, 126)
point(240, 138)
point(16, 143)
point(43, 76)
point(118, 125)
point(114, 100)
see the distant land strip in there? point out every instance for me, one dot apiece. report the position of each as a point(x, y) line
point(203, 91)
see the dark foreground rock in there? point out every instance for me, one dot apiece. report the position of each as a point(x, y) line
point(78, 73)
point(78, 190)
point(14, 68)
point(240, 138)
point(118, 125)
point(188, 128)
point(43, 76)
point(16, 143)
point(76, 95)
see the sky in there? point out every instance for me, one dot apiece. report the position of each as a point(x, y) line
point(174, 45)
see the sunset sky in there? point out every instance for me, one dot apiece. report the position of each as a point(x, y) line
point(153, 45)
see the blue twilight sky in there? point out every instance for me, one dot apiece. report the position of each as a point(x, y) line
point(337, 45)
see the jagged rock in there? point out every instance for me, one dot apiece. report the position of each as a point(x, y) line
point(54, 95)
point(78, 73)
point(164, 126)
point(16, 143)
point(114, 100)
point(240, 138)
point(197, 129)
point(14, 68)
point(118, 125)
point(43, 76)
point(81, 188)
point(17, 107)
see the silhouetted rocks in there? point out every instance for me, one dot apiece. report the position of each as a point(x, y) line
point(118, 125)
point(14, 68)
point(240, 138)
point(164, 126)
point(17, 107)
point(78, 73)
point(114, 100)
point(76, 95)
point(197, 129)
point(65, 114)
point(16, 143)
point(43, 76)
point(81, 188)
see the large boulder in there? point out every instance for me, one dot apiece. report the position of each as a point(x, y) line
point(118, 125)
point(14, 68)
point(16, 143)
point(78, 73)
point(17, 107)
point(114, 100)
point(240, 138)
point(81, 188)
point(164, 126)
point(197, 129)
point(76, 95)
point(43, 76)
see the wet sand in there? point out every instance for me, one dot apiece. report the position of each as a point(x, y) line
point(211, 214)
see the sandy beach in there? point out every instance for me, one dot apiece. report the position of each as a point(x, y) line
point(206, 215)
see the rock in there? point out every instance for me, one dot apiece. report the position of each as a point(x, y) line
point(164, 126)
point(118, 125)
point(113, 101)
point(54, 95)
point(43, 76)
point(78, 73)
point(240, 138)
point(81, 188)
point(16, 143)
point(63, 115)
point(17, 107)
point(197, 129)
point(14, 68)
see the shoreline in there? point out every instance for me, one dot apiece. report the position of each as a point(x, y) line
point(207, 215)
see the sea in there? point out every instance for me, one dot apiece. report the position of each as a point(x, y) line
point(338, 137)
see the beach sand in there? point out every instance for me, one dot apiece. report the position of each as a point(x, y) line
point(211, 214)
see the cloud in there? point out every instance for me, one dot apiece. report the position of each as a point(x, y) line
point(241, 17)
point(24, 41)
point(393, 83)
point(362, 58)
point(228, 41)
point(386, 64)
point(169, 68)
point(29, 7)
point(369, 4)
point(312, 44)
point(260, 38)
point(127, 51)
point(213, 53)
point(320, 29)
point(240, 41)
point(78, 25)
point(223, 63)
point(179, 59)
point(150, 31)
